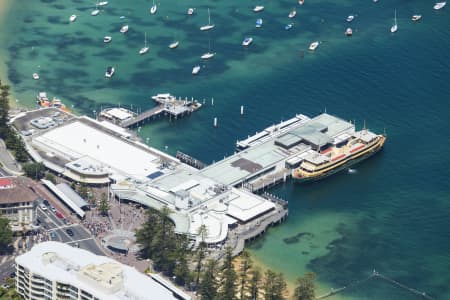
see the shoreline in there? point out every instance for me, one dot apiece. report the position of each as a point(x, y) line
point(5, 6)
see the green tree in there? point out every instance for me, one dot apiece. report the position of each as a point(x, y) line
point(104, 205)
point(182, 272)
point(255, 281)
point(34, 170)
point(208, 284)
point(201, 252)
point(5, 234)
point(227, 289)
point(244, 268)
point(83, 191)
point(305, 289)
point(50, 177)
point(274, 286)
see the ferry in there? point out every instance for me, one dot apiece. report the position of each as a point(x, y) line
point(317, 165)
point(73, 18)
point(439, 5)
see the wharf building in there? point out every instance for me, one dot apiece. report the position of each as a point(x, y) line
point(220, 196)
point(18, 203)
point(54, 270)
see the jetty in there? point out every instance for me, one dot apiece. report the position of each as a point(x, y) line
point(168, 106)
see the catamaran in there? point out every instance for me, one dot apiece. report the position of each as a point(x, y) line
point(145, 48)
point(394, 27)
point(209, 26)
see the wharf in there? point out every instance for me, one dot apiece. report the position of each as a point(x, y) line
point(168, 106)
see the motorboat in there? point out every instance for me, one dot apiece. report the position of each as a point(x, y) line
point(124, 29)
point(103, 3)
point(146, 47)
point(195, 70)
point(164, 98)
point(292, 14)
point(289, 26)
point(349, 32)
point(314, 45)
point(107, 39)
point(190, 11)
point(416, 18)
point(247, 41)
point(153, 8)
point(394, 27)
point(173, 45)
point(258, 8)
point(301, 2)
point(95, 12)
point(35, 76)
point(209, 26)
point(259, 23)
point(208, 55)
point(73, 18)
point(109, 72)
point(439, 5)
point(350, 18)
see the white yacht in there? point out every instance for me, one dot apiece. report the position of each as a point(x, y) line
point(416, 18)
point(292, 13)
point(195, 70)
point(124, 29)
point(107, 39)
point(164, 98)
point(73, 18)
point(103, 3)
point(174, 44)
point(109, 72)
point(190, 11)
point(258, 8)
point(35, 76)
point(439, 5)
point(209, 26)
point(247, 41)
point(153, 8)
point(394, 27)
point(208, 55)
point(314, 45)
point(146, 47)
point(95, 12)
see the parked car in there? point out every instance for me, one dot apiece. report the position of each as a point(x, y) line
point(43, 207)
point(69, 231)
point(53, 235)
point(53, 209)
point(46, 203)
point(59, 215)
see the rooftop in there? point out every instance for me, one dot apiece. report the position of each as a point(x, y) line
point(100, 276)
point(16, 190)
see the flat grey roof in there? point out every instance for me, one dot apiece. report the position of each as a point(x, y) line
point(74, 196)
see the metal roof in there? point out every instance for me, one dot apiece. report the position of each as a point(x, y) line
point(74, 196)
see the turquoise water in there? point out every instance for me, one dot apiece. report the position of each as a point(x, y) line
point(392, 215)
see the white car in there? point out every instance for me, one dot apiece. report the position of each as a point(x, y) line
point(43, 207)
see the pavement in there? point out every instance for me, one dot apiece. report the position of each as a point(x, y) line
point(8, 162)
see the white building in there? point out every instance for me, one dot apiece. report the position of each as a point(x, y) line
point(53, 270)
point(17, 202)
